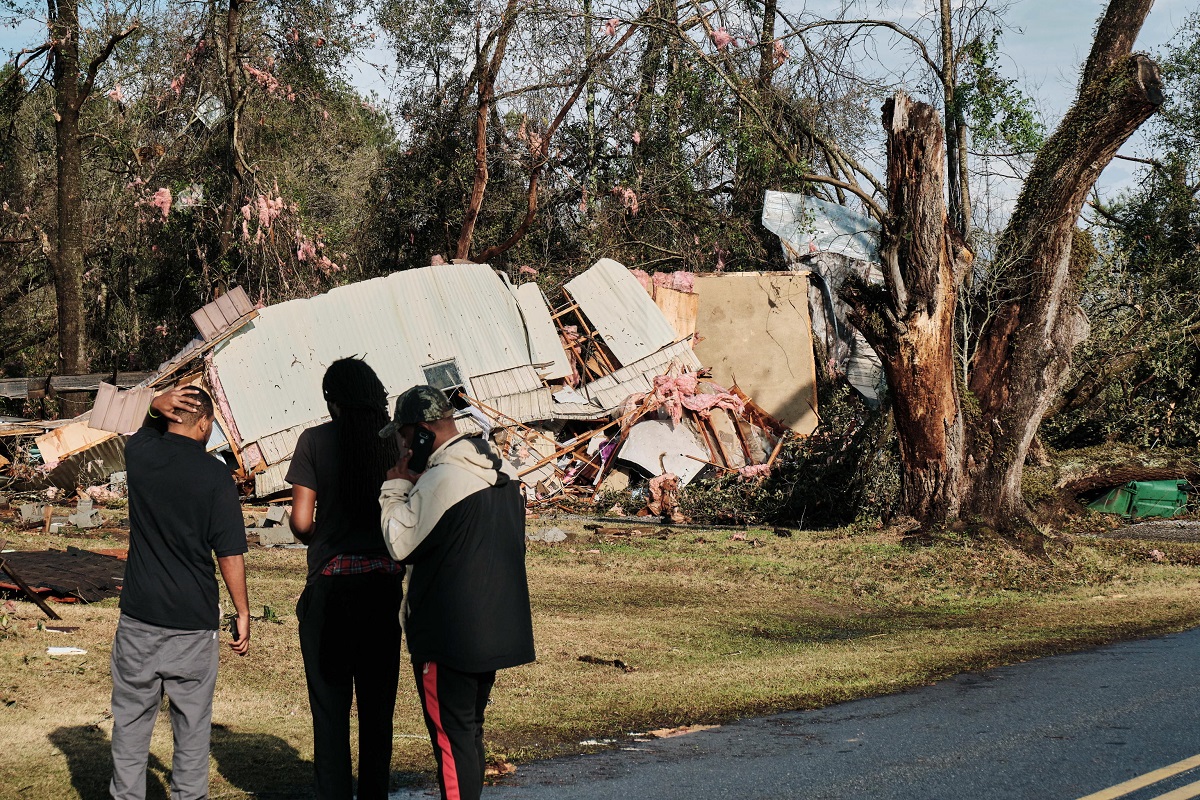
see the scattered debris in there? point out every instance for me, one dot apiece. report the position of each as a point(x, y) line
point(830, 242)
point(274, 530)
point(548, 536)
point(498, 768)
point(661, 533)
point(600, 393)
point(20, 584)
point(608, 662)
point(682, 730)
point(65, 651)
point(85, 516)
point(66, 576)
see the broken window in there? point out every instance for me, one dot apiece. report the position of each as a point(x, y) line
point(446, 375)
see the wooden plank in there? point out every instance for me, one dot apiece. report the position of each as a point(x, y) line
point(30, 593)
point(35, 387)
point(58, 444)
point(680, 309)
point(701, 422)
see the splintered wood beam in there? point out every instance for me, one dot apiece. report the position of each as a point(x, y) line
point(24, 587)
point(775, 452)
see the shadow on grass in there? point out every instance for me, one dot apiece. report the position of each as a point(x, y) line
point(89, 759)
point(261, 765)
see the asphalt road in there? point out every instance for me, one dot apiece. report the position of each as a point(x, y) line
point(1057, 728)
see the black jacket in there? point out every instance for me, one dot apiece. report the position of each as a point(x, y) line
point(461, 529)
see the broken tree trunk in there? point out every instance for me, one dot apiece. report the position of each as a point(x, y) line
point(911, 324)
point(1104, 468)
point(1024, 354)
point(966, 458)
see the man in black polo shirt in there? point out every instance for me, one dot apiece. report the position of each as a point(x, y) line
point(183, 509)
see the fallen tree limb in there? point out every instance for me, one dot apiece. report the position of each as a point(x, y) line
point(1080, 471)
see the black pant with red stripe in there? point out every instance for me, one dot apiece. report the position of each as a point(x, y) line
point(454, 703)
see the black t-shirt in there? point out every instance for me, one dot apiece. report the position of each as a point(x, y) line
point(343, 527)
point(183, 508)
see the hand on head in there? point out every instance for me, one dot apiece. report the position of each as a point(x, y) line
point(181, 398)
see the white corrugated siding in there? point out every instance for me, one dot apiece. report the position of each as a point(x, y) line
point(544, 343)
point(611, 390)
point(620, 310)
point(272, 368)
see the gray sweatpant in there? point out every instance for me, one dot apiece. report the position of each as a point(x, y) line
point(146, 662)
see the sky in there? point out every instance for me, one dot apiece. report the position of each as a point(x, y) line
point(1049, 41)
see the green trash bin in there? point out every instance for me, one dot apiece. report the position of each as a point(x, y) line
point(1138, 499)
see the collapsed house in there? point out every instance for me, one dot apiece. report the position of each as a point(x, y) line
point(606, 386)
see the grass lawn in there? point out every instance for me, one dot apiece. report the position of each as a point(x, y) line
point(713, 624)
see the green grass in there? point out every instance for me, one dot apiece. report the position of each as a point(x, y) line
point(714, 627)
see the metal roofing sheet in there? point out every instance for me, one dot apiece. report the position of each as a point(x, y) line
point(544, 344)
point(272, 368)
point(620, 310)
point(271, 480)
point(809, 224)
point(611, 390)
point(508, 382)
point(280, 446)
point(524, 407)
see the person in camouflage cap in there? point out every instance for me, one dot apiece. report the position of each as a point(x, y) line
point(418, 404)
point(459, 523)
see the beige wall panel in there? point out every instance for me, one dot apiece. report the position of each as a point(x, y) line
point(756, 333)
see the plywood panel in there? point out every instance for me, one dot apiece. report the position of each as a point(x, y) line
point(755, 332)
point(679, 308)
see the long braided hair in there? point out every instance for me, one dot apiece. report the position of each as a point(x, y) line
point(363, 458)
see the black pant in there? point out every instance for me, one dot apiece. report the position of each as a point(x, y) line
point(350, 638)
point(454, 703)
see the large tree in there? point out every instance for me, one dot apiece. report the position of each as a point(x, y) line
point(963, 446)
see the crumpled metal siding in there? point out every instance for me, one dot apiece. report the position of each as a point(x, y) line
point(619, 309)
point(611, 390)
point(544, 344)
point(809, 224)
point(272, 368)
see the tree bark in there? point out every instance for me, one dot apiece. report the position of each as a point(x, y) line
point(766, 45)
point(964, 455)
point(236, 168)
point(948, 76)
point(72, 82)
point(67, 260)
point(911, 324)
point(1024, 354)
point(486, 95)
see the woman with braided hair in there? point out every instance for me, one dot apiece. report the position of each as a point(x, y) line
point(349, 612)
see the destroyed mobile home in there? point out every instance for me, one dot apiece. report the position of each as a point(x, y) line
point(579, 397)
point(628, 377)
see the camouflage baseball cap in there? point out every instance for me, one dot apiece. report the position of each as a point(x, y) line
point(418, 404)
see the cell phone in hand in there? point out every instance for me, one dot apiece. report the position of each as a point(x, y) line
point(422, 449)
point(233, 628)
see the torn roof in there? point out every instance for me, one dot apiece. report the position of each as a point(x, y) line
point(809, 224)
point(544, 345)
point(620, 311)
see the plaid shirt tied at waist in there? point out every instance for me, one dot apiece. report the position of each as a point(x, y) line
point(351, 564)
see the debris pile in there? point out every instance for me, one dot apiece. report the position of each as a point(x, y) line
point(608, 389)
